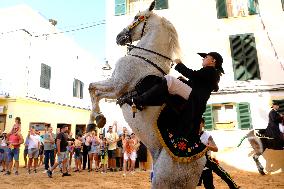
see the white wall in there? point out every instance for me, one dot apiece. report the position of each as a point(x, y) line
point(23, 53)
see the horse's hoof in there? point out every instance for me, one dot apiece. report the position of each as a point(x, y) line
point(101, 121)
point(91, 127)
point(261, 172)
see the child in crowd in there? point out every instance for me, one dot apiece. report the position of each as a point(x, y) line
point(17, 126)
point(104, 154)
point(129, 153)
point(78, 153)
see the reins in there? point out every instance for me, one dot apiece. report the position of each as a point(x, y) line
point(133, 46)
point(150, 62)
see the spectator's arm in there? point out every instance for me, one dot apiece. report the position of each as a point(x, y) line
point(211, 145)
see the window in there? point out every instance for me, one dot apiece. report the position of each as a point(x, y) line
point(45, 76)
point(120, 7)
point(78, 87)
point(208, 117)
point(244, 55)
point(244, 119)
point(161, 4)
point(227, 116)
point(282, 1)
point(236, 8)
point(123, 7)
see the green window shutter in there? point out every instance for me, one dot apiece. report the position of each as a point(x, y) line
point(75, 88)
point(221, 6)
point(120, 7)
point(45, 76)
point(252, 7)
point(281, 105)
point(48, 76)
point(244, 118)
point(42, 76)
point(81, 89)
point(161, 4)
point(244, 56)
point(208, 117)
point(282, 1)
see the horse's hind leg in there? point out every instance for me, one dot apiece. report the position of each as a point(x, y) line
point(258, 164)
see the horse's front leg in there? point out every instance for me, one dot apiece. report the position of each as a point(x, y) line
point(95, 89)
point(99, 90)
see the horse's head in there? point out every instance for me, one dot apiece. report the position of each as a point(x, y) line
point(136, 29)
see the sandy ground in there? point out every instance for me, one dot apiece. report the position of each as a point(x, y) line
point(139, 180)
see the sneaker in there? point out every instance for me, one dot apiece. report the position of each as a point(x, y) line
point(124, 174)
point(3, 170)
point(66, 174)
point(8, 173)
point(49, 173)
point(16, 173)
point(29, 172)
point(35, 171)
point(45, 171)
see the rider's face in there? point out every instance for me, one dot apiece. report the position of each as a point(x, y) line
point(208, 61)
point(275, 107)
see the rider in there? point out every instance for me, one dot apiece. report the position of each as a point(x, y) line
point(275, 118)
point(196, 90)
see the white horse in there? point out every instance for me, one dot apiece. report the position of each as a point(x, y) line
point(158, 40)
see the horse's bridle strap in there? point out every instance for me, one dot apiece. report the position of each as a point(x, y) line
point(150, 62)
point(133, 46)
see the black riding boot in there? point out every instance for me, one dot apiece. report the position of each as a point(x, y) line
point(156, 95)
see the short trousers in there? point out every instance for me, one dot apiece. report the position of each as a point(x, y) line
point(131, 156)
point(62, 156)
point(3, 154)
point(33, 152)
point(104, 160)
point(94, 149)
point(111, 154)
point(13, 153)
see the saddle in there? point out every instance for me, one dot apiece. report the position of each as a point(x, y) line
point(173, 125)
point(268, 141)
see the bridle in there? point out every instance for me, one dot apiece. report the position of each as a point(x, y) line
point(138, 20)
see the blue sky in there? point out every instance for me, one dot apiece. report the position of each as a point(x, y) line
point(72, 14)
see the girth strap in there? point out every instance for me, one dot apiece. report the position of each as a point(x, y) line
point(150, 62)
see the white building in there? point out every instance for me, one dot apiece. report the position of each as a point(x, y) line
point(45, 70)
point(249, 36)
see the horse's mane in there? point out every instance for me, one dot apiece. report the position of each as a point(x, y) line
point(173, 39)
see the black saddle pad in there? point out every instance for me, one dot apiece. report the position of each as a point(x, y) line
point(174, 134)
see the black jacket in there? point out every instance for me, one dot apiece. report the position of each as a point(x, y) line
point(272, 129)
point(202, 82)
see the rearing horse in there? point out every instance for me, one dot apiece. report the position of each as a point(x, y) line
point(158, 44)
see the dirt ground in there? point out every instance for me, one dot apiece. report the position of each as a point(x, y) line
point(138, 180)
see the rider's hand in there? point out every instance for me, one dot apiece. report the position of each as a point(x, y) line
point(178, 61)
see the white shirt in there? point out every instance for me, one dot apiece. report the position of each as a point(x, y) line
point(33, 141)
point(111, 137)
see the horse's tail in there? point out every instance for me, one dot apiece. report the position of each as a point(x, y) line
point(242, 139)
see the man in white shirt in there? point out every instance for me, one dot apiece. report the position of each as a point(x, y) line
point(33, 149)
point(212, 164)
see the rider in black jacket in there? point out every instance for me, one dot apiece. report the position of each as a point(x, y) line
point(197, 89)
point(275, 118)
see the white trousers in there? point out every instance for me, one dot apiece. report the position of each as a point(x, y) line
point(177, 87)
